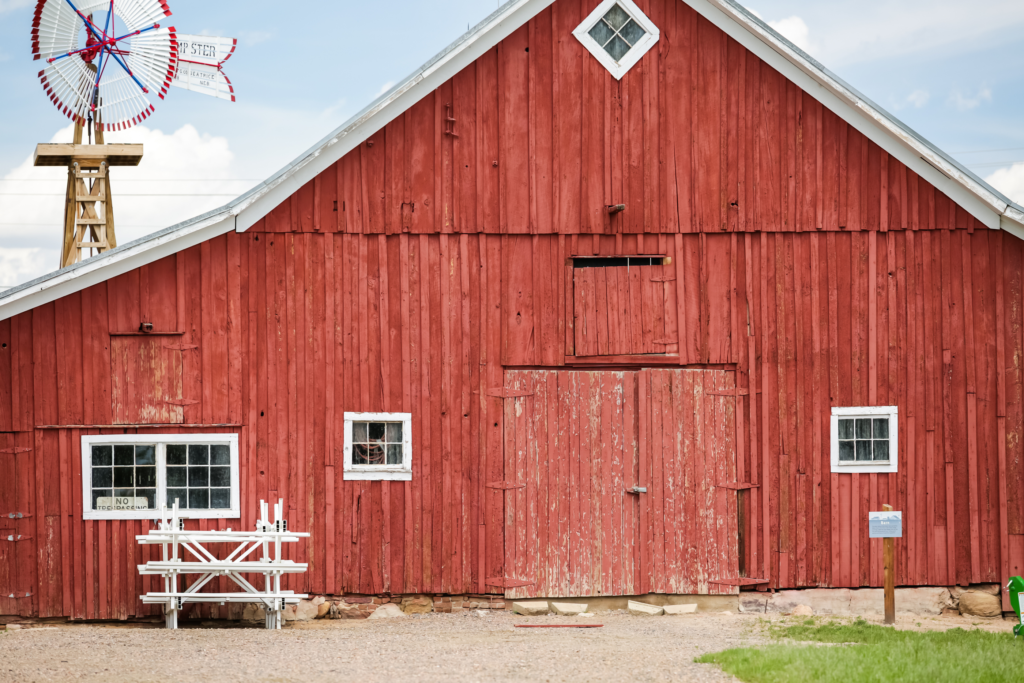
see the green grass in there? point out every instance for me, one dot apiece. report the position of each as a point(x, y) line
point(865, 652)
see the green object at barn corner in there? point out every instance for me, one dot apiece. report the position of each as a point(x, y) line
point(1016, 587)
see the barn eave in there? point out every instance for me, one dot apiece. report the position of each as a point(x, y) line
point(973, 194)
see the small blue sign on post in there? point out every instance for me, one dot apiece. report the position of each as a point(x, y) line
point(887, 524)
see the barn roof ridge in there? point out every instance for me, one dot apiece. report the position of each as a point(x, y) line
point(976, 196)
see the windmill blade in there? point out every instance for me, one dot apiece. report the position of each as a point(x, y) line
point(204, 79)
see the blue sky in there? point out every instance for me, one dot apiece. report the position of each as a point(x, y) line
point(951, 69)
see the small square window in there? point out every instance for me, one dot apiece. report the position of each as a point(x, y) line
point(864, 440)
point(618, 34)
point(378, 446)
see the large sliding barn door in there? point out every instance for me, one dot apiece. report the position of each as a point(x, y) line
point(610, 482)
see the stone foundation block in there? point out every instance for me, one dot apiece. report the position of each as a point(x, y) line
point(642, 609)
point(530, 608)
point(568, 608)
point(680, 609)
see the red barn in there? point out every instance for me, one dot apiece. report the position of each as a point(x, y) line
point(605, 299)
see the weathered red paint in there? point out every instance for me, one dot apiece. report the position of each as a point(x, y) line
point(807, 266)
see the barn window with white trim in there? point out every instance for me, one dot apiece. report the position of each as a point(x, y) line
point(865, 439)
point(378, 446)
point(133, 476)
point(618, 34)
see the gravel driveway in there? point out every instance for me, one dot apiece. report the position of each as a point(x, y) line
point(473, 646)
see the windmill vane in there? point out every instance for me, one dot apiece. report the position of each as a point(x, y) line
point(128, 56)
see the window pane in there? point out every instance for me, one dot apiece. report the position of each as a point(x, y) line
point(100, 493)
point(102, 477)
point(358, 432)
point(124, 493)
point(601, 33)
point(180, 494)
point(145, 476)
point(198, 499)
point(632, 32)
point(102, 456)
point(198, 476)
point(846, 429)
point(220, 499)
point(863, 428)
point(375, 455)
point(845, 450)
point(882, 428)
point(124, 476)
point(394, 454)
point(220, 455)
point(359, 456)
point(145, 455)
point(616, 17)
point(394, 432)
point(124, 455)
point(376, 430)
point(198, 455)
point(863, 450)
point(617, 48)
point(882, 450)
point(176, 454)
point(149, 495)
point(220, 476)
point(177, 476)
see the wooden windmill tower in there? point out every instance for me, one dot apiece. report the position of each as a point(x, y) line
point(104, 86)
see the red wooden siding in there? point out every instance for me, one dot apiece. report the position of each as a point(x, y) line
point(699, 136)
point(807, 264)
point(624, 310)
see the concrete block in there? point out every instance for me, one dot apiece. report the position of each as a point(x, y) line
point(642, 609)
point(681, 609)
point(568, 608)
point(530, 608)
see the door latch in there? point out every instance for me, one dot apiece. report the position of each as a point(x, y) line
point(637, 490)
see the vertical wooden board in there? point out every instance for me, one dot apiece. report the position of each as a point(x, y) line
point(158, 302)
point(6, 385)
point(707, 126)
point(303, 208)
point(541, 122)
point(328, 207)
point(44, 364)
point(466, 160)
point(488, 198)
point(514, 131)
point(519, 338)
point(689, 284)
point(68, 342)
point(124, 302)
point(597, 87)
point(422, 173)
point(717, 281)
point(9, 578)
point(567, 116)
point(656, 486)
point(1013, 312)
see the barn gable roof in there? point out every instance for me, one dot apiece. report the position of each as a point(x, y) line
point(981, 200)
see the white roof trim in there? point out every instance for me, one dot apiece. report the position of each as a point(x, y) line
point(977, 197)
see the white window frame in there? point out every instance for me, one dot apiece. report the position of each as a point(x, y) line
point(160, 441)
point(401, 472)
point(618, 69)
point(864, 466)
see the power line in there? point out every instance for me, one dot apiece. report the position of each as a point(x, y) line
point(980, 151)
point(141, 180)
point(119, 195)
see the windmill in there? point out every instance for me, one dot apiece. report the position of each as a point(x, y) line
point(108, 84)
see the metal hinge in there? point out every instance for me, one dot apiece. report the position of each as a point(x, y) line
point(505, 485)
point(182, 401)
point(17, 515)
point(663, 279)
point(738, 486)
point(13, 538)
point(665, 342)
point(19, 595)
point(637, 490)
point(13, 451)
point(507, 583)
point(730, 394)
point(180, 347)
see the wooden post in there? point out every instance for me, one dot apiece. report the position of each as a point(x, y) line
point(889, 561)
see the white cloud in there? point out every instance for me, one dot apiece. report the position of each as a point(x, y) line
point(10, 5)
point(916, 99)
point(32, 206)
point(384, 88)
point(1009, 181)
point(963, 103)
point(795, 30)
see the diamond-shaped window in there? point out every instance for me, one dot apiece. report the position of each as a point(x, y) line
point(618, 34)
